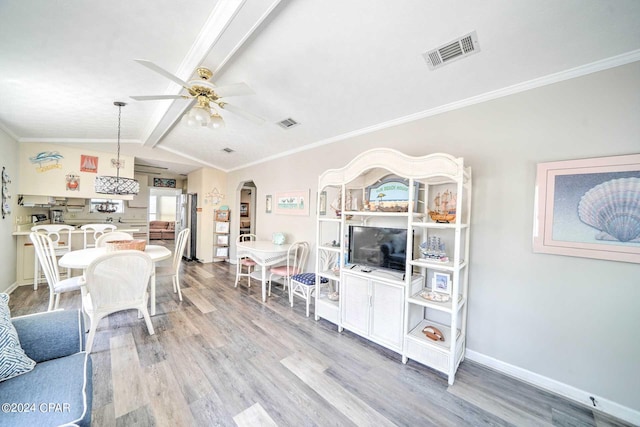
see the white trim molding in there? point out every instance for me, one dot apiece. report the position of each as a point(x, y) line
point(572, 393)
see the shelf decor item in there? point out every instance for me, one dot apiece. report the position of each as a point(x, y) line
point(222, 227)
point(589, 208)
point(278, 238)
point(441, 283)
point(444, 207)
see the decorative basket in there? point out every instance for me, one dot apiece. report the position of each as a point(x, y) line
point(121, 245)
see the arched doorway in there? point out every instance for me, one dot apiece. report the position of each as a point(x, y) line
point(247, 208)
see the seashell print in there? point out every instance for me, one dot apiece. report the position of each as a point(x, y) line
point(613, 207)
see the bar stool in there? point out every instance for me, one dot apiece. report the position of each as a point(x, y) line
point(55, 232)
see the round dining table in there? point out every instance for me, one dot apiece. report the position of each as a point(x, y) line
point(81, 259)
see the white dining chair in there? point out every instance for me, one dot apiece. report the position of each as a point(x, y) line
point(296, 263)
point(93, 231)
point(243, 261)
point(101, 242)
point(46, 257)
point(113, 282)
point(303, 285)
point(60, 236)
point(174, 269)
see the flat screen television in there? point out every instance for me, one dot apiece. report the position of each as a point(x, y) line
point(378, 247)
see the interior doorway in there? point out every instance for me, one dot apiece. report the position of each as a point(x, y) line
point(247, 208)
point(163, 216)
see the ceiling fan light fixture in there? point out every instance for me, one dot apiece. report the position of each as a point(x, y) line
point(216, 121)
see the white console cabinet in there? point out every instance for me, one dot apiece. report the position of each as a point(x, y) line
point(373, 307)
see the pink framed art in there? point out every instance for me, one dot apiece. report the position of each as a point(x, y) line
point(589, 208)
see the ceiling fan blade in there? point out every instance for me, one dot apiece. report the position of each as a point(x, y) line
point(157, 97)
point(239, 111)
point(236, 89)
point(150, 65)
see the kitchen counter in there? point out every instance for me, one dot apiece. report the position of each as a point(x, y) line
point(25, 260)
point(127, 228)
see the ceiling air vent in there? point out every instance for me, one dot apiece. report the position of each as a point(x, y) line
point(460, 48)
point(227, 150)
point(287, 123)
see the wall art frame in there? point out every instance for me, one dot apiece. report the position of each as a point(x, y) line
point(164, 182)
point(268, 203)
point(292, 203)
point(586, 208)
point(244, 209)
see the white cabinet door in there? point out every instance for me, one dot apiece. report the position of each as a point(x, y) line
point(355, 304)
point(387, 314)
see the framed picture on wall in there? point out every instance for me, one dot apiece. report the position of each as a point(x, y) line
point(164, 182)
point(589, 208)
point(244, 209)
point(322, 203)
point(222, 239)
point(268, 204)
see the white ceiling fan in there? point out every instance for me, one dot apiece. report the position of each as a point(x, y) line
point(204, 93)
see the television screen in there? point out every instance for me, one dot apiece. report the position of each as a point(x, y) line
point(378, 247)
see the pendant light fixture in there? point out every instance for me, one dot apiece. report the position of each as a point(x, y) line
point(116, 184)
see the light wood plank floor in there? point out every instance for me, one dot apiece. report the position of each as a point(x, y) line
point(222, 357)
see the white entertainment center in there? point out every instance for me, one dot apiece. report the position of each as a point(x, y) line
point(408, 269)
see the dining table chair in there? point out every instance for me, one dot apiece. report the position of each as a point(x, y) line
point(243, 261)
point(114, 282)
point(174, 269)
point(102, 241)
point(296, 262)
point(93, 231)
point(60, 236)
point(46, 257)
point(303, 285)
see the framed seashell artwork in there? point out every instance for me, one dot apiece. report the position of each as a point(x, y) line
point(589, 208)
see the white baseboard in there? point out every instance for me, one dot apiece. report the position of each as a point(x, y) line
point(11, 288)
point(580, 396)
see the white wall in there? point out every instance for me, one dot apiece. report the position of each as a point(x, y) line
point(7, 241)
point(572, 320)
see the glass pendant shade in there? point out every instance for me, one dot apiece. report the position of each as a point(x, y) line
point(117, 184)
point(216, 122)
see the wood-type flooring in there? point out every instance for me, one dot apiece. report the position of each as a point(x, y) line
point(221, 357)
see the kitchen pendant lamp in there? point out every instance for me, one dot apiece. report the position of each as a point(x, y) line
point(116, 184)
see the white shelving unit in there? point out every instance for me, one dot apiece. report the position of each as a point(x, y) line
point(221, 235)
point(386, 306)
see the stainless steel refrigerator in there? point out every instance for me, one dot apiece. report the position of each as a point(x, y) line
point(187, 218)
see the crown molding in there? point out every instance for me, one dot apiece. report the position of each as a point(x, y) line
point(572, 73)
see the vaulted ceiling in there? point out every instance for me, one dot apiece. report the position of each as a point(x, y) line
point(339, 68)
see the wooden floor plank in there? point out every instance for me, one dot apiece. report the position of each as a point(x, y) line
point(222, 357)
point(347, 403)
point(129, 391)
point(253, 416)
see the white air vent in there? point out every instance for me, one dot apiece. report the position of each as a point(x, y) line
point(227, 150)
point(460, 48)
point(288, 123)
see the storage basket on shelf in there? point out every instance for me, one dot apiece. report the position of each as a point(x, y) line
point(121, 245)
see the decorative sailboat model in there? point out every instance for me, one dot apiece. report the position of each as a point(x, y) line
point(444, 207)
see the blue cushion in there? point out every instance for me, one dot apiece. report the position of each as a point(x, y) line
point(308, 279)
point(51, 334)
point(56, 392)
point(13, 360)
